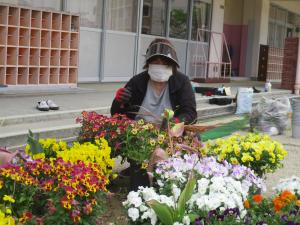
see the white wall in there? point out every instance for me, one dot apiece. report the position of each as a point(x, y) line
point(215, 53)
point(256, 16)
point(89, 55)
point(118, 59)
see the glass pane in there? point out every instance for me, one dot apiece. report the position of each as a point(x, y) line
point(90, 12)
point(154, 17)
point(179, 19)
point(201, 19)
point(273, 12)
point(122, 15)
point(43, 4)
point(281, 15)
point(271, 35)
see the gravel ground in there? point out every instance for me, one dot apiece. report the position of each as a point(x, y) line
point(291, 164)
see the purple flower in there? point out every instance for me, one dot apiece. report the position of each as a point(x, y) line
point(232, 211)
point(284, 218)
point(292, 223)
point(212, 213)
point(199, 221)
point(262, 223)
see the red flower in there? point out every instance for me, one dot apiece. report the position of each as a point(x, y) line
point(257, 198)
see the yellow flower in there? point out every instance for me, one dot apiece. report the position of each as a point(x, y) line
point(257, 156)
point(152, 142)
point(8, 198)
point(8, 211)
point(6, 220)
point(1, 184)
point(27, 149)
point(141, 122)
point(246, 157)
point(39, 156)
point(144, 165)
point(246, 145)
point(234, 161)
point(145, 127)
point(134, 131)
point(160, 139)
point(236, 149)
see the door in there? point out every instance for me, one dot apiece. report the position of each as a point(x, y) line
point(263, 63)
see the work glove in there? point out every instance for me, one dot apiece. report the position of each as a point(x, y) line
point(123, 95)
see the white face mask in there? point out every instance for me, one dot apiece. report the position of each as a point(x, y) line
point(160, 73)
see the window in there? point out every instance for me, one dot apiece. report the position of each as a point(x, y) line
point(122, 15)
point(282, 24)
point(154, 22)
point(201, 19)
point(90, 11)
point(146, 10)
point(179, 19)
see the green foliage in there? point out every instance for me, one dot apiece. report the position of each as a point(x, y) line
point(35, 146)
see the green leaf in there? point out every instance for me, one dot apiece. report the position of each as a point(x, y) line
point(35, 146)
point(163, 212)
point(193, 217)
point(185, 196)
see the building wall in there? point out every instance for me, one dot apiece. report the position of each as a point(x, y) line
point(246, 28)
point(293, 6)
point(233, 12)
point(234, 32)
point(215, 51)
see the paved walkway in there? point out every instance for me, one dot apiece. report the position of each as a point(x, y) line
point(15, 101)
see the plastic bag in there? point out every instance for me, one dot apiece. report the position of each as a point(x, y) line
point(271, 115)
point(244, 100)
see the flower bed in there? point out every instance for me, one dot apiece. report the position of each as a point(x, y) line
point(256, 151)
point(204, 192)
point(135, 140)
point(57, 184)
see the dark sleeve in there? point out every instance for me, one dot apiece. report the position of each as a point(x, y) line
point(117, 107)
point(187, 103)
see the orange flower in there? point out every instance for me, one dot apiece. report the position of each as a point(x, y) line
point(286, 194)
point(277, 204)
point(285, 198)
point(288, 197)
point(257, 198)
point(247, 204)
point(298, 203)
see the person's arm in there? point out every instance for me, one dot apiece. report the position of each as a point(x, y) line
point(118, 106)
point(187, 104)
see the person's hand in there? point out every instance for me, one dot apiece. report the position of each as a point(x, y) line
point(123, 95)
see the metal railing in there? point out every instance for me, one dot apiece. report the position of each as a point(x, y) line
point(204, 68)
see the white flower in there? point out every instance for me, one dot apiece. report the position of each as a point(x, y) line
point(143, 208)
point(202, 185)
point(133, 213)
point(167, 200)
point(149, 194)
point(177, 223)
point(160, 183)
point(134, 199)
point(186, 220)
point(150, 214)
point(292, 184)
point(176, 192)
